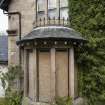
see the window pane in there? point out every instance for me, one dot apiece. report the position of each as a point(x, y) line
point(63, 3)
point(52, 4)
point(52, 13)
point(64, 13)
point(41, 5)
point(41, 15)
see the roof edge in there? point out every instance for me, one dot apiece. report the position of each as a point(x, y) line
point(4, 4)
point(74, 38)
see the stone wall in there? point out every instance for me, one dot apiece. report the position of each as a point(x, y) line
point(27, 10)
point(51, 73)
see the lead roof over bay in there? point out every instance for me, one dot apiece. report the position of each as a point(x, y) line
point(53, 32)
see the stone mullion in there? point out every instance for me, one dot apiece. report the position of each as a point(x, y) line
point(35, 73)
point(25, 74)
point(53, 74)
point(58, 9)
point(22, 68)
point(46, 9)
point(71, 72)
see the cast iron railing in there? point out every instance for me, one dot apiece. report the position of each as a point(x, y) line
point(52, 21)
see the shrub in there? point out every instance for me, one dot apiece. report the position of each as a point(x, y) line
point(87, 17)
point(12, 96)
point(63, 101)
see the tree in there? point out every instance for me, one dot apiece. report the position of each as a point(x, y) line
point(13, 95)
point(88, 17)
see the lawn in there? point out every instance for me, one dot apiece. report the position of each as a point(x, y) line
point(2, 101)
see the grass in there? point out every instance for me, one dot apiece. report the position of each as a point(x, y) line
point(2, 101)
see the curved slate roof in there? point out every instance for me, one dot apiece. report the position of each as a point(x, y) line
point(3, 48)
point(4, 4)
point(53, 32)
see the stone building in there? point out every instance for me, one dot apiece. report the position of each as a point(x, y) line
point(3, 58)
point(45, 47)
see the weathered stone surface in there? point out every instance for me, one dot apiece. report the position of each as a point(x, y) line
point(44, 77)
point(27, 10)
point(61, 74)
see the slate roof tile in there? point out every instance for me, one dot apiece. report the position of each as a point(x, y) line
point(3, 48)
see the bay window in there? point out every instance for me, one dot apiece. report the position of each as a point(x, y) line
point(57, 9)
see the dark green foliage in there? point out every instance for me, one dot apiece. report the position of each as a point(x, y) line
point(2, 101)
point(13, 96)
point(14, 73)
point(14, 99)
point(63, 101)
point(88, 17)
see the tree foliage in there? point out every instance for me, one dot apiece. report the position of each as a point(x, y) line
point(88, 17)
point(13, 96)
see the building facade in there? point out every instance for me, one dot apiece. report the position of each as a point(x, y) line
point(44, 49)
point(3, 59)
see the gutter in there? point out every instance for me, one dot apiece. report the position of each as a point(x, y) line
point(19, 15)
